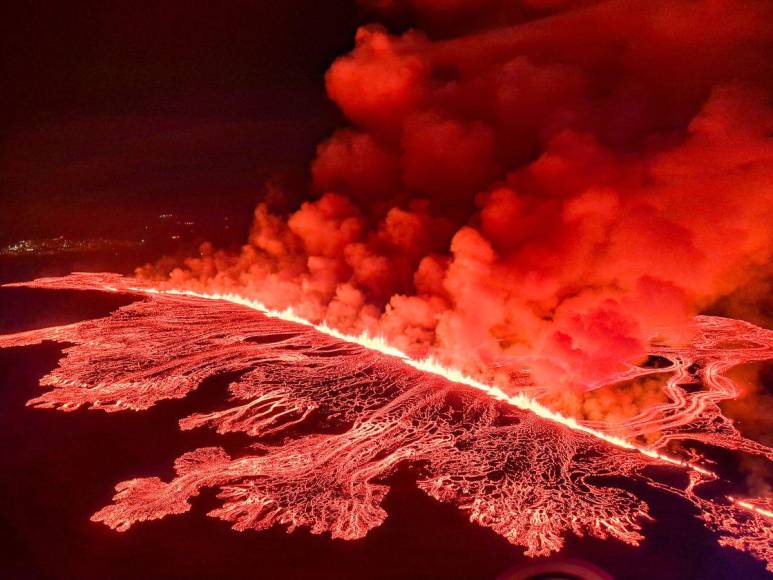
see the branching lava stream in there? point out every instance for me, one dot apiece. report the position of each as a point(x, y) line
point(530, 474)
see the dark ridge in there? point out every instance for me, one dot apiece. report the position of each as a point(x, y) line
point(656, 362)
point(24, 309)
point(270, 338)
point(691, 387)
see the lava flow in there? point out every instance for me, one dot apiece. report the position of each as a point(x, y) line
point(330, 417)
point(497, 276)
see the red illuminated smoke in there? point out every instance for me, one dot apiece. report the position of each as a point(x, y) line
point(550, 189)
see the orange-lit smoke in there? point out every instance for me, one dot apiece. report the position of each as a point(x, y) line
point(548, 185)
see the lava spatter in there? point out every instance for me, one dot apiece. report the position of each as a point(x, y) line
point(513, 465)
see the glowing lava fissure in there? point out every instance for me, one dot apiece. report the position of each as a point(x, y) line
point(496, 457)
point(432, 366)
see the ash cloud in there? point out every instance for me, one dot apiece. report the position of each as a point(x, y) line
point(543, 184)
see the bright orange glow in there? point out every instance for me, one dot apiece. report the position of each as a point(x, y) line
point(751, 505)
point(430, 365)
point(514, 465)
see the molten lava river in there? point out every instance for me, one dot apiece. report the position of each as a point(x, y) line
point(330, 417)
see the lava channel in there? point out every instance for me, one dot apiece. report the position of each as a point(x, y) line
point(330, 417)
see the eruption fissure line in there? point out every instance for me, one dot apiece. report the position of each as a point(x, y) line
point(432, 366)
point(751, 507)
point(523, 479)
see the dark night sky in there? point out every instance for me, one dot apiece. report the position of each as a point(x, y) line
point(114, 109)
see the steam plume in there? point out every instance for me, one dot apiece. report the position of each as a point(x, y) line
point(549, 185)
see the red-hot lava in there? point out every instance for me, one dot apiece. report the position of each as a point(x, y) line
point(331, 416)
point(531, 198)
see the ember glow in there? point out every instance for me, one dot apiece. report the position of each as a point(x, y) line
point(331, 416)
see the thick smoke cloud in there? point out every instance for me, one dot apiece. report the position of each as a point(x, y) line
point(550, 189)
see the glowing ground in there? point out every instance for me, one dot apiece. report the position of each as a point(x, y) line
point(329, 418)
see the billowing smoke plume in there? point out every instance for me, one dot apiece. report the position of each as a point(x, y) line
point(548, 184)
